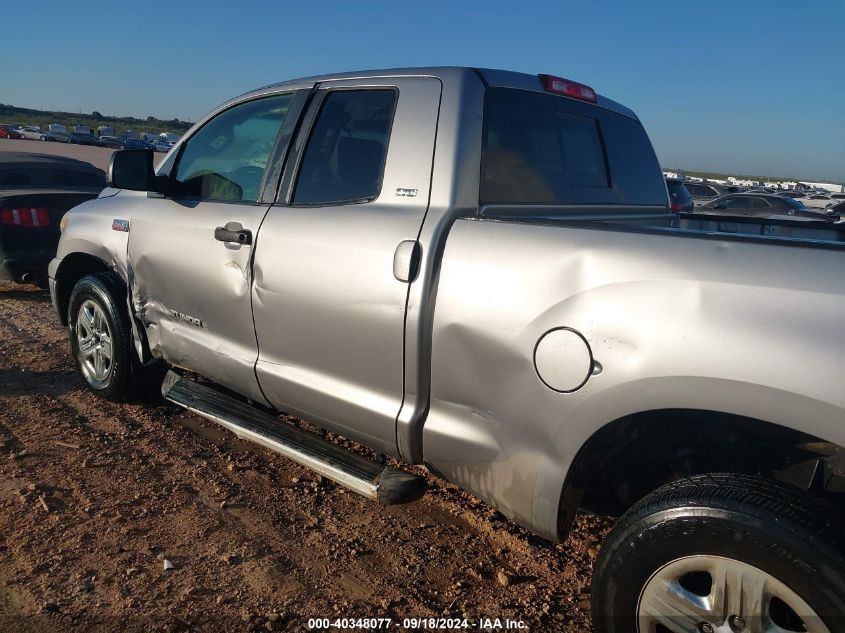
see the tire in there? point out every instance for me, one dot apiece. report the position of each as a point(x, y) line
point(683, 543)
point(96, 308)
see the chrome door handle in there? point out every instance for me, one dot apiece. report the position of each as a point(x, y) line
point(406, 260)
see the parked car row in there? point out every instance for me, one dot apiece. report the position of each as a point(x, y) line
point(714, 199)
point(84, 136)
point(7, 131)
point(35, 134)
point(133, 143)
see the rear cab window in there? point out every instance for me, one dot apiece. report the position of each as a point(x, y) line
point(547, 149)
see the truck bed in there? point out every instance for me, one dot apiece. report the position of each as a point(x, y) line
point(778, 230)
point(798, 232)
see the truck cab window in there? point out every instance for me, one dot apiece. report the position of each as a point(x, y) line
point(226, 158)
point(582, 151)
point(345, 155)
point(545, 149)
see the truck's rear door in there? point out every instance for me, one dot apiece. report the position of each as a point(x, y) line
point(329, 310)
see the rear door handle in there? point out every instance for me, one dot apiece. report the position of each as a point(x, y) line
point(233, 232)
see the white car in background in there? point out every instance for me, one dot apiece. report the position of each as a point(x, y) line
point(818, 200)
point(160, 145)
point(35, 134)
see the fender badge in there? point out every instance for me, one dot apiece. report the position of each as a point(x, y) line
point(404, 192)
point(120, 225)
point(187, 318)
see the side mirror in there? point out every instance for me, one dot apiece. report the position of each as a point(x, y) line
point(131, 169)
point(721, 205)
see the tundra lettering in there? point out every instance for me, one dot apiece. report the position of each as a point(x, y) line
point(186, 318)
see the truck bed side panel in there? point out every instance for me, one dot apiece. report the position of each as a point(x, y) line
point(674, 321)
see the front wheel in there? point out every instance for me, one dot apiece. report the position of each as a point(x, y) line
point(100, 336)
point(722, 553)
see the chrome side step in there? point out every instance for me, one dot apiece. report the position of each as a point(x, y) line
point(366, 477)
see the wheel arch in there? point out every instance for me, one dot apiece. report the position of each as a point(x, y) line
point(662, 445)
point(73, 268)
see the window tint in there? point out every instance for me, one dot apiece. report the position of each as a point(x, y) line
point(344, 159)
point(736, 203)
point(583, 152)
point(226, 158)
point(541, 148)
point(760, 203)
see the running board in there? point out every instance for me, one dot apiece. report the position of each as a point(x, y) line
point(366, 477)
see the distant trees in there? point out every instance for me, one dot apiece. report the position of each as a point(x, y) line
point(28, 116)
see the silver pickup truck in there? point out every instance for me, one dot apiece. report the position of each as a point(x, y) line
point(478, 271)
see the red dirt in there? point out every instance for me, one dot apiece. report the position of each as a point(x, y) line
point(258, 542)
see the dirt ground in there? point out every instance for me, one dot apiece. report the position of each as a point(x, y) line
point(96, 496)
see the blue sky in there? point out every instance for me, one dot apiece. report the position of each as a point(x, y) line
point(742, 86)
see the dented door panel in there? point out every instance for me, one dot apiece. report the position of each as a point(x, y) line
point(192, 292)
point(329, 313)
point(664, 331)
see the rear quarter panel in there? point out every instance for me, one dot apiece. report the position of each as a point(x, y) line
point(675, 322)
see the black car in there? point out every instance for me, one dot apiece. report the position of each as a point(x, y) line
point(704, 192)
point(136, 143)
point(765, 205)
point(84, 139)
point(36, 190)
point(679, 198)
point(838, 207)
point(111, 141)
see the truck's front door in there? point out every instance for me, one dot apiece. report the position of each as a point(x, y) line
point(329, 310)
point(190, 280)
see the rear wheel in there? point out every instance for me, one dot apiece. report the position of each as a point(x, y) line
point(723, 554)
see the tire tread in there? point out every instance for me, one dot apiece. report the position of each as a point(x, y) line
point(737, 492)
